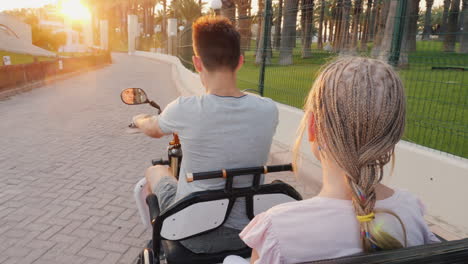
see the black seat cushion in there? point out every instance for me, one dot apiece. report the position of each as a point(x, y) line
point(176, 253)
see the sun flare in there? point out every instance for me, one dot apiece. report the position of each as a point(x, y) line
point(75, 10)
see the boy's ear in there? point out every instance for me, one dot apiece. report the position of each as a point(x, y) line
point(197, 63)
point(240, 63)
point(311, 127)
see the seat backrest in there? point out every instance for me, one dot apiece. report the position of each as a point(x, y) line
point(445, 252)
point(195, 219)
point(263, 202)
point(204, 211)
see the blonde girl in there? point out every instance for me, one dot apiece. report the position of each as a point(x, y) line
point(354, 117)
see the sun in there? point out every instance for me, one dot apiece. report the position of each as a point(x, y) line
point(75, 10)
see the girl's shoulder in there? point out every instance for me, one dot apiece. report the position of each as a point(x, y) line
point(404, 200)
point(311, 208)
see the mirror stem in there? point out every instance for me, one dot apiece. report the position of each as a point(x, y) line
point(155, 105)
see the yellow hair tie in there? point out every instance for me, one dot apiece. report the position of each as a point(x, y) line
point(365, 218)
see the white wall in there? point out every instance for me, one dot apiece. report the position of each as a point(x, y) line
point(133, 32)
point(439, 179)
point(21, 29)
point(104, 34)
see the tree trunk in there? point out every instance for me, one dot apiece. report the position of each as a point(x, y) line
point(228, 9)
point(365, 30)
point(413, 24)
point(404, 60)
point(321, 33)
point(384, 49)
point(445, 14)
point(427, 20)
point(343, 44)
point(337, 21)
point(464, 36)
point(261, 9)
point(164, 27)
point(288, 32)
point(374, 18)
point(308, 14)
point(380, 27)
point(450, 38)
point(244, 23)
point(260, 50)
point(356, 19)
point(277, 40)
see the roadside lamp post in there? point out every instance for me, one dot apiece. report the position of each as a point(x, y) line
point(216, 6)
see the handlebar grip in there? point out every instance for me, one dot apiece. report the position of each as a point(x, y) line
point(237, 172)
point(153, 206)
point(278, 168)
point(160, 162)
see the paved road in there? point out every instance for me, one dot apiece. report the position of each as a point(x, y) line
point(68, 166)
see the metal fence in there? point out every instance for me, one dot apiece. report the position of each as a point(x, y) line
point(286, 43)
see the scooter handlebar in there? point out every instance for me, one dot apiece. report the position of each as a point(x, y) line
point(237, 172)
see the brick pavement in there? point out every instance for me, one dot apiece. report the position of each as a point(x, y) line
point(68, 165)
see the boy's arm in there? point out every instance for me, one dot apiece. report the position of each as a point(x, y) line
point(148, 124)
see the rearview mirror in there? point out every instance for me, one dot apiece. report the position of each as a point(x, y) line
point(134, 96)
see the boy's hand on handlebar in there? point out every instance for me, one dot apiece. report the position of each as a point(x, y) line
point(138, 119)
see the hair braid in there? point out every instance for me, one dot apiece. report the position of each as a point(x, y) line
point(359, 109)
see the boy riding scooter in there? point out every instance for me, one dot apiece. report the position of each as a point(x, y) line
point(223, 128)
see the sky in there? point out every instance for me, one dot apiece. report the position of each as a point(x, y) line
point(13, 4)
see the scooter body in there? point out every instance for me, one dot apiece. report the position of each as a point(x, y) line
point(211, 208)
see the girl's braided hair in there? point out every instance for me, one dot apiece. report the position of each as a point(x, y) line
point(359, 109)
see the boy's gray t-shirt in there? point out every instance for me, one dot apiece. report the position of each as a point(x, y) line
point(219, 132)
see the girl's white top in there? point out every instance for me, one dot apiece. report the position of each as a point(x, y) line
point(325, 228)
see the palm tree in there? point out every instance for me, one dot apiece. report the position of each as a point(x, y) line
point(464, 36)
point(452, 27)
point(228, 9)
point(343, 38)
point(277, 39)
point(321, 32)
point(444, 25)
point(245, 22)
point(382, 51)
point(261, 38)
point(356, 19)
point(148, 15)
point(288, 32)
point(381, 21)
point(365, 30)
point(413, 24)
point(427, 20)
point(307, 19)
point(374, 18)
point(188, 10)
point(338, 10)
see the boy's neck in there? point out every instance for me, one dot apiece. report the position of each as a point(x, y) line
point(222, 84)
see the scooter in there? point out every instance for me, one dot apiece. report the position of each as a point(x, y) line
point(187, 218)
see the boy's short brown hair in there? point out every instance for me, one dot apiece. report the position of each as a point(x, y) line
point(216, 42)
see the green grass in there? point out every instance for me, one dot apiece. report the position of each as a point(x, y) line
point(21, 58)
point(437, 99)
